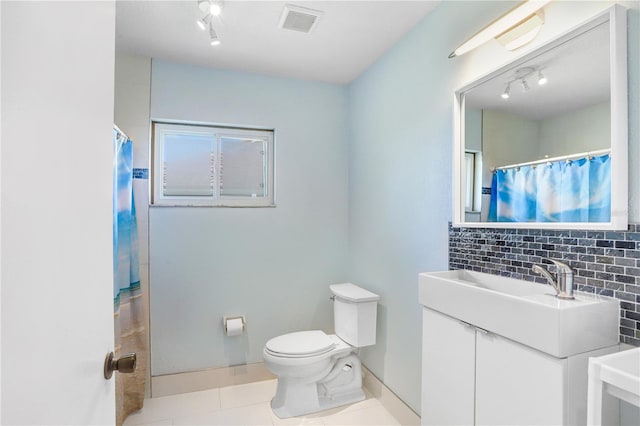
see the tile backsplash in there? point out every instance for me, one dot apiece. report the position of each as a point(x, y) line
point(604, 262)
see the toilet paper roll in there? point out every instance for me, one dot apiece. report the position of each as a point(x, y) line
point(234, 326)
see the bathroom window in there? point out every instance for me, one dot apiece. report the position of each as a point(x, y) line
point(196, 165)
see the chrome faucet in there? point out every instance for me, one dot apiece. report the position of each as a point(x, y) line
point(564, 286)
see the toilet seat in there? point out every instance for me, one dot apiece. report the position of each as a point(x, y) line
point(301, 344)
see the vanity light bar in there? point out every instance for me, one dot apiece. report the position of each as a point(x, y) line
point(501, 25)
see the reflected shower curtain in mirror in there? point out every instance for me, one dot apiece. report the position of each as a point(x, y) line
point(128, 308)
point(561, 191)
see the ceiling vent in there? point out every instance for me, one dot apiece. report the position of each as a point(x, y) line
point(298, 18)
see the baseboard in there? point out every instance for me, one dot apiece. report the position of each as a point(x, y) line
point(193, 381)
point(389, 400)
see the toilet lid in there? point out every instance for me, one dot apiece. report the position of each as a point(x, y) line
point(301, 343)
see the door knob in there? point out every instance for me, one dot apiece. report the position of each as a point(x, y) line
point(125, 364)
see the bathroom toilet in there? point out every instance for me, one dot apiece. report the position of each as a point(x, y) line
point(317, 371)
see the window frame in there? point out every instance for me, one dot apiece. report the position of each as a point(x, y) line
point(473, 185)
point(159, 129)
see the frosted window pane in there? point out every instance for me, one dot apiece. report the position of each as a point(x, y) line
point(188, 165)
point(243, 167)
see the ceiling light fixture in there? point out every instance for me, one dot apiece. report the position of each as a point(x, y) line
point(211, 8)
point(520, 76)
point(516, 28)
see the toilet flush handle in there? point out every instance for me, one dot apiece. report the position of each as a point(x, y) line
point(333, 298)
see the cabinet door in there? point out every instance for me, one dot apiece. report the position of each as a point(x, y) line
point(517, 385)
point(448, 358)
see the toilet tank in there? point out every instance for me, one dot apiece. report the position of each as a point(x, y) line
point(354, 314)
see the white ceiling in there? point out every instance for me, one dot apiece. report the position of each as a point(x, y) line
point(578, 74)
point(349, 37)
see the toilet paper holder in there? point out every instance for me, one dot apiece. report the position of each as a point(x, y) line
point(225, 322)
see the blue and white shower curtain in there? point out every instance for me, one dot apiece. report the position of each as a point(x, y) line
point(561, 191)
point(125, 229)
point(127, 296)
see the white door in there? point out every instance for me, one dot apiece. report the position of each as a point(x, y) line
point(56, 161)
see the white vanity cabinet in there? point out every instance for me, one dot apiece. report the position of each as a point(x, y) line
point(474, 377)
point(517, 385)
point(448, 370)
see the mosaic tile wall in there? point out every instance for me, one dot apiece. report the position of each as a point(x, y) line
point(604, 262)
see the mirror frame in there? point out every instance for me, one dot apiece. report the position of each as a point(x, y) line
point(616, 15)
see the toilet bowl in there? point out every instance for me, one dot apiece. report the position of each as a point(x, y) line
point(317, 371)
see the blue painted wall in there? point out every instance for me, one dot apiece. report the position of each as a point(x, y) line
point(363, 194)
point(273, 265)
point(400, 164)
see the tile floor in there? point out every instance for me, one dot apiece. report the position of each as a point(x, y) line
point(249, 405)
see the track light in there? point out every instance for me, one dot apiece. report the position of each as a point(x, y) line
point(215, 40)
point(505, 94)
point(202, 23)
point(211, 8)
point(523, 76)
point(541, 78)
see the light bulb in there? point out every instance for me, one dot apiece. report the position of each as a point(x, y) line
point(202, 23)
point(525, 85)
point(215, 9)
point(541, 78)
point(505, 94)
point(215, 40)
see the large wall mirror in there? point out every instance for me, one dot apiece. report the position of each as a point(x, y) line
point(542, 142)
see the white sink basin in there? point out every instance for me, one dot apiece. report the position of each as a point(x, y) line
point(523, 311)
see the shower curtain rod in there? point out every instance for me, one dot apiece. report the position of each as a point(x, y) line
point(551, 160)
point(117, 129)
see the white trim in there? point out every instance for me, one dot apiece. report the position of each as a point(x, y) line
point(616, 15)
point(193, 381)
point(619, 123)
point(389, 400)
point(217, 133)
